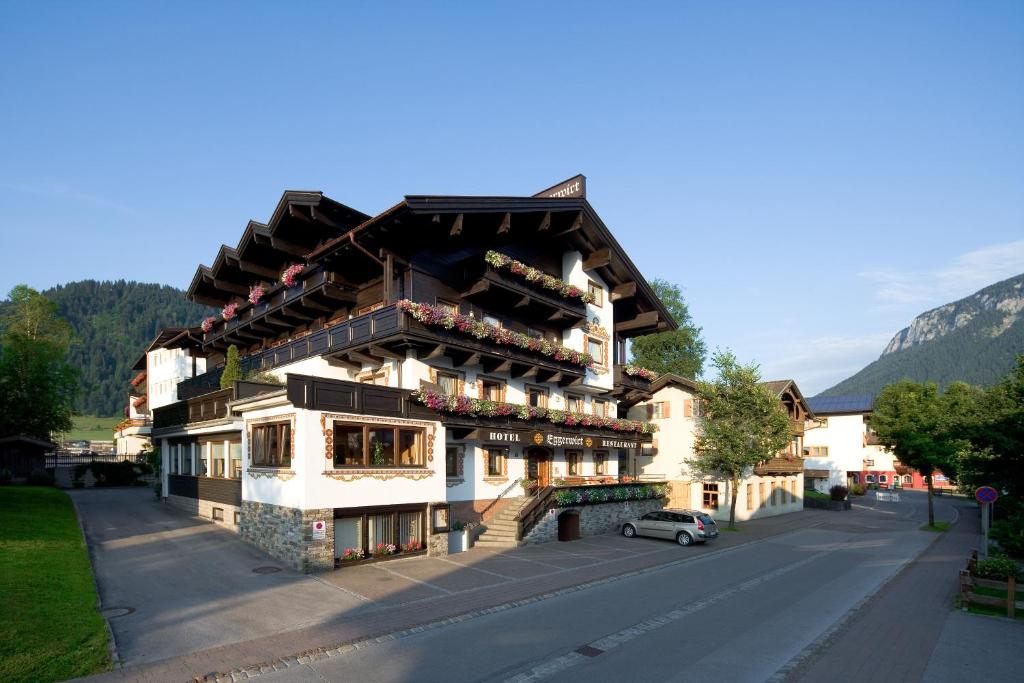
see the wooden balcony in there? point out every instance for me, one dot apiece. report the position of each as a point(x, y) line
point(497, 290)
point(783, 464)
point(204, 408)
point(389, 332)
point(511, 430)
point(629, 389)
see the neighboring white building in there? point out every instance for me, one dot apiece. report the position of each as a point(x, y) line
point(773, 488)
point(168, 360)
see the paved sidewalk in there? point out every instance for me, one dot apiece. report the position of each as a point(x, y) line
point(973, 646)
point(378, 619)
point(892, 637)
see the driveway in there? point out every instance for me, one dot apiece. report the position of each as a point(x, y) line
point(190, 583)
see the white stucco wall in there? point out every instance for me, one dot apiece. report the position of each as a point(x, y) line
point(165, 368)
point(845, 438)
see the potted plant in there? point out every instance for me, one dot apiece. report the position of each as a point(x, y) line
point(528, 485)
point(458, 537)
point(352, 554)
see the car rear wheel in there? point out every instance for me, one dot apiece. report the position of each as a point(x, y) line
point(684, 538)
point(629, 531)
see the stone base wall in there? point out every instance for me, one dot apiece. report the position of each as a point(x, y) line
point(286, 534)
point(477, 511)
point(594, 519)
point(204, 509)
point(437, 545)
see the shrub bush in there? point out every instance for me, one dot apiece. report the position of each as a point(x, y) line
point(857, 489)
point(5, 476)
point(110, 473)
point(40, 477)
point(999, 567)
point(1009, 533)
point(838, 492)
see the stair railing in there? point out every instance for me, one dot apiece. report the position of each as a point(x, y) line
point(534, 511)
point(483, 513)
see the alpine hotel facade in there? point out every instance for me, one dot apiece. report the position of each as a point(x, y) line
point(439, 361)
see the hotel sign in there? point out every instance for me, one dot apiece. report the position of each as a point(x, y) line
point(573, 187)
point(553, 439)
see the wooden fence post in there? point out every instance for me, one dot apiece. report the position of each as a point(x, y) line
point(965, 588)
point(1011, 597)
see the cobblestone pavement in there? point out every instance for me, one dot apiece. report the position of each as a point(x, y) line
point(407, 594)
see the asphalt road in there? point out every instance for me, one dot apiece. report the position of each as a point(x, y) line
point(736, 616)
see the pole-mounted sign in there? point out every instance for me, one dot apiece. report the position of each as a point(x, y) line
point(986, 494)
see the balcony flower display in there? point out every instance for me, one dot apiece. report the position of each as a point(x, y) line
point(442, 317)
point(288, 277)
point(412, 546)
point(208, 323)
point(383, 549)
point(600, 494)
point(479, 407)
point(642, 373)
point(228, 312)
point(256, 293)
point(500, 261)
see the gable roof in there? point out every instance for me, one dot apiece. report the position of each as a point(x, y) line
point(838, 405)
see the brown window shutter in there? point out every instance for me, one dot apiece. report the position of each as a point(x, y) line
point(688, 407)
point(650, 411)
point(665, 409)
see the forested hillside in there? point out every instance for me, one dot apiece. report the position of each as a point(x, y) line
point(113, 322)
point(974, 340)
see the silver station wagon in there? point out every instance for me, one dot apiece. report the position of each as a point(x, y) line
point(682, 526)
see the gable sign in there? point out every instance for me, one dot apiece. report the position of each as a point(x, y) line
point(573, 187)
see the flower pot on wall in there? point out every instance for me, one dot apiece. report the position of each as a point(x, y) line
point(458, 541)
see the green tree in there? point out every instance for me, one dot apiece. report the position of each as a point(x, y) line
point(924, 429)
point(232, 369)
point(37, 385)
point(996, 434)
point(743, 425)
point(681, 351)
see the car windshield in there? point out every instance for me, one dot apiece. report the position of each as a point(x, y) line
point(706, 519)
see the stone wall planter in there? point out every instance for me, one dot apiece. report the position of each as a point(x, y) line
point(835, 505)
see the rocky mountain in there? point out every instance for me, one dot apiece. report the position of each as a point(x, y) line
point(973, 340)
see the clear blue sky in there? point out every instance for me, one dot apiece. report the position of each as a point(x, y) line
point(812, 173)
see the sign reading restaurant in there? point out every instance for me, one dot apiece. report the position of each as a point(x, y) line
point(553, 439)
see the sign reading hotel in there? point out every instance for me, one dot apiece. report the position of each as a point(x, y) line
point(555, 440)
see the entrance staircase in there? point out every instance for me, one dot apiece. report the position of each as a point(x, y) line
point(501, 529)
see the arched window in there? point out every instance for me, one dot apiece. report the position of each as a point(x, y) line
point(869, 478)
point(855, 478)
point(907, 479)
point(883, 478)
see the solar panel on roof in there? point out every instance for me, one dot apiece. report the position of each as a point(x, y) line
point(842, 404)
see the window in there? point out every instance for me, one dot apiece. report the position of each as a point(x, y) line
point(375, 306)
point(596, 347)
point(218, 459)
point(494, 459)
point(185, 450)
point(760, 492)
point(869, 463)
point(574, 404)
point(710, 498)
point(448, 382)
point(492, 389)
point(449, 306)
point(574, 462)
point(907, 479)
point(491, 320)
point(869, 478)
point(595, 290)
point(377, 446)
point(883, 479)
point(601, 407)
point(536, 334)
point(270, 445)
point(451, 461)
point(172, 459)
point(237, 518)
point(379, 378)
point(750, 496)
point(659, 410)
point(218, 514)
point(235, 454)
point(823, 422)
point(203, 461)
point(792, 491)
point(855, 478)
point(537, 397)
point(817, 451)
point(405, 528)
point(600, 463)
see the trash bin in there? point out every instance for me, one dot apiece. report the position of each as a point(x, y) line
point(569, 525)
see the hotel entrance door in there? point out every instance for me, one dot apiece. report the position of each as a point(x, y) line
point(538, 466)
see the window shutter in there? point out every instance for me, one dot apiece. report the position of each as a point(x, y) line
point(665, 409)
point(650, 411)
point(688, 407)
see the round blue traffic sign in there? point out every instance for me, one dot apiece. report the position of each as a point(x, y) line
point(986, 494)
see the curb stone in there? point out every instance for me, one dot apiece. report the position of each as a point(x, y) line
point(115, 657)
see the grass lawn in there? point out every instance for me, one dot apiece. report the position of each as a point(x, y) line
point(939, 526)
point(816, 495)
point(92, 428)
point(50, 629)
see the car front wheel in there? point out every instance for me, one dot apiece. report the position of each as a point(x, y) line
point(629, 531)
point(684, 538)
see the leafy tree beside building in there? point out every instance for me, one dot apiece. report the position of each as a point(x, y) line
point(681, 351)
